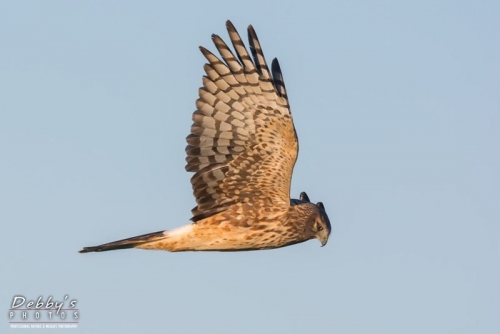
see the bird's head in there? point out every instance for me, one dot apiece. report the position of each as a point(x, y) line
point(321, 224)
point(318, 223)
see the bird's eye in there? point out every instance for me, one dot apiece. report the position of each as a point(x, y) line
point(319, 228)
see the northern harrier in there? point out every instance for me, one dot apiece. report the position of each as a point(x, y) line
point(242, 149)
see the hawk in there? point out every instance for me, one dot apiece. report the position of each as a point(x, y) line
point(242, 149)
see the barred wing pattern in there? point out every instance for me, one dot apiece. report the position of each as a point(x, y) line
point(242, 149)
point(243, 144)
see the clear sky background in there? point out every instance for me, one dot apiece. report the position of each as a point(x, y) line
point(397, 108)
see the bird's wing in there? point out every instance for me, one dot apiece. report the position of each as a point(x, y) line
point(243, 144)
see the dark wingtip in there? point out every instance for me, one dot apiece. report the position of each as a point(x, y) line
point(251, 32)
point(304, 197)
point(230, 25)
point(276, 64)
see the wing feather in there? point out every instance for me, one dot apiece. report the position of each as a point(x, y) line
point(243, 146)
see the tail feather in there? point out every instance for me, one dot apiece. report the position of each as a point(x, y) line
point(125, 243)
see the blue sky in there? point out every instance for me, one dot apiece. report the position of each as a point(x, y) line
point(397, 108)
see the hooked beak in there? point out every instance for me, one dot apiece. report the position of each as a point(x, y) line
point(323, 239)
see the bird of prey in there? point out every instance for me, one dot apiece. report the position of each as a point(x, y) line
point(242, 150)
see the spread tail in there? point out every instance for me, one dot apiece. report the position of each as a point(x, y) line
point(126, 243)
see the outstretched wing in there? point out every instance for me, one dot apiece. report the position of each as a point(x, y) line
point(243, 144)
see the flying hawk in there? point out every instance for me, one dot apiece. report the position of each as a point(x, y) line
point(242, 149)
